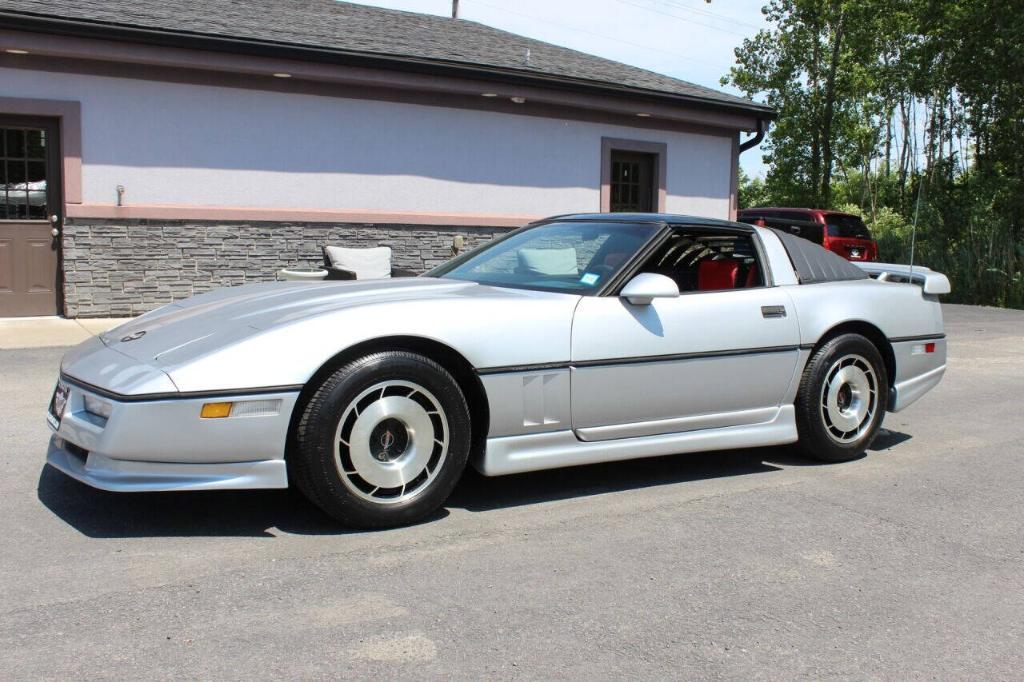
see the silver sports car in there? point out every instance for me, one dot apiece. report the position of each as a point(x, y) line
point(576, 339)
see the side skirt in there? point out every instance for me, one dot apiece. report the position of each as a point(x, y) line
point(538, 451)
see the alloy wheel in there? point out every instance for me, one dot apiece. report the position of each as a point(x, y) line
point(391, 442)
point(849, 398)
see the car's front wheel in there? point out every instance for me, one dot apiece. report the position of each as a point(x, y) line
point(842, 399)
point(383, 440)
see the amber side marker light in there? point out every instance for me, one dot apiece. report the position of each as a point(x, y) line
point(215, 410)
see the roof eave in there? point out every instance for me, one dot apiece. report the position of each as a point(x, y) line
point(82, 29)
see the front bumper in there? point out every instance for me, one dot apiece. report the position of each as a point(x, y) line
point(124, 476)
point(163, 444)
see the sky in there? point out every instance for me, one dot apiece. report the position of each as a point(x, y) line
point(688, 39)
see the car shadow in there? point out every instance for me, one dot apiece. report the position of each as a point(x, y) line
point(476, 492)
point(259, 513)
point(887, 440)
point(229, 513)
point(479, 493)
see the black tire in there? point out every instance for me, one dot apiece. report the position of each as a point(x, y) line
point(829, 407)
point(375, 395)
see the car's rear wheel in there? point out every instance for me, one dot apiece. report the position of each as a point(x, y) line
point(382, 441)
point(842, 399)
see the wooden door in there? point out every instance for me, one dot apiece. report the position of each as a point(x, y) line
point(632, 182)
point(29, 217)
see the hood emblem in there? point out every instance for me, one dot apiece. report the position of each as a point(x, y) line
point(133, 337)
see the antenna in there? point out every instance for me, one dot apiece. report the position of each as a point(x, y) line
point(913, 228)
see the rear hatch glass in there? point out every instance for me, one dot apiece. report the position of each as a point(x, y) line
point(846, 227)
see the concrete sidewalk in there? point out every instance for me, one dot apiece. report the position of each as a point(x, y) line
point(46, 332)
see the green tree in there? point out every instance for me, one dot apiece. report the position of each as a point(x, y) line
point(752, 191)
point(910, 112)
point(812, 66)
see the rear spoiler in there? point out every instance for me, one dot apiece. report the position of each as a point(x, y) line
point(932, 282)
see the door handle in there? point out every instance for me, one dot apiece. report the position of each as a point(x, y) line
point(769, 311)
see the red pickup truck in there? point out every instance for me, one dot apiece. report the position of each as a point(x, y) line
point(841, 233)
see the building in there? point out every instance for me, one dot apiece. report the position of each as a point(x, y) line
point(171, 147)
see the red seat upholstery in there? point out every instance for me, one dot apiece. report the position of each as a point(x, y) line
point(717, 274)
point(751, 276)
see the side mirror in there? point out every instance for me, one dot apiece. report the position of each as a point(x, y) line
point(648, 286)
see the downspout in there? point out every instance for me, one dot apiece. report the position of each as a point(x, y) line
point(734, 190)
point(762, 128)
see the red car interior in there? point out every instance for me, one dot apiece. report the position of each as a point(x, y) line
point(752, 276)
point(717, 274)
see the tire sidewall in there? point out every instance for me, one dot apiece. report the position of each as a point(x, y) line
point(316, 438)
point(815, 440)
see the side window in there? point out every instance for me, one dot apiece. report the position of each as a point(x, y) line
point(707, 261)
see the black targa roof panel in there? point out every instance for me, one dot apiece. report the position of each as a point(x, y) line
point(814, 263)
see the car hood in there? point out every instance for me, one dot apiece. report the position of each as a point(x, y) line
point(230, 314)
point(278, 334)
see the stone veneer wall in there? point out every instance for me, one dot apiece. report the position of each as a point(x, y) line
point(127, 267)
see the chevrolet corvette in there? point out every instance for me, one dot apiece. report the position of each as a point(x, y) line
point(574, 340)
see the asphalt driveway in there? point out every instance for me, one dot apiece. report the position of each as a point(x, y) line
point(744, 564)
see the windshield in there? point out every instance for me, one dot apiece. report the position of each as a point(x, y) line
point(570, 257)
point(846, 226)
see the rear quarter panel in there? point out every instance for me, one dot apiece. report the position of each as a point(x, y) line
point(902, 312)
point(898, 310)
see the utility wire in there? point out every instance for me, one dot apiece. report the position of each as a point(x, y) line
point(683, 19)
point(591, 33)
point(707, 13)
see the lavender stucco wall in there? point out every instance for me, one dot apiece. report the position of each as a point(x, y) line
point(127, 267)
point(176, 144)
